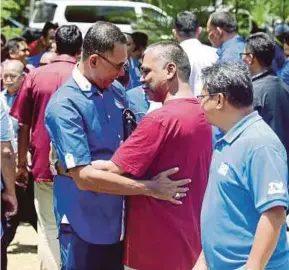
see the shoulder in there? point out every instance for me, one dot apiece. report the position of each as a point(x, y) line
point(259, 136)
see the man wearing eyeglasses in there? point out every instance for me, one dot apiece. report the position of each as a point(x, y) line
point(271, 100)
point(243, 212)
point(85, 123)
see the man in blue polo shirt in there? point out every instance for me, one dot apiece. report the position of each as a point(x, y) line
point(84, 121)
point(222, 32)
point(243, 212)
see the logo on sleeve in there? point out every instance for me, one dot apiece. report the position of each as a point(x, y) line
point(69, 160)
point(223, 169)
point(276, 187)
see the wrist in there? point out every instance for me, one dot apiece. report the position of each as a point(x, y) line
point(147, 187)
point(22, 165)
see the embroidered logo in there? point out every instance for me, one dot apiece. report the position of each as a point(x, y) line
point(223, 169)
point(69, 160)
point(276, 187)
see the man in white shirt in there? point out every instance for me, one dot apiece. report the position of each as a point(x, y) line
point(186, 31)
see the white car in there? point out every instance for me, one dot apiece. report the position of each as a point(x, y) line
point(84, 13)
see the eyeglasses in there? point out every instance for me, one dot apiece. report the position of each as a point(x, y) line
point(201, 97)
point(241, 54)
point(124, 65)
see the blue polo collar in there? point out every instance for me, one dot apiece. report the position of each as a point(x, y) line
point(241, 126)
point(85, 86)
point(228, 44)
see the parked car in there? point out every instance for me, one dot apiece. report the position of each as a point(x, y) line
point(85, 12)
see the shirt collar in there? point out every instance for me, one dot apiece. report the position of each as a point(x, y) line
point(227, 44)
point(83, 83)
point(7, 94)
point(260, 75)
point(190, 41)
point(64, 58)
point(240, 127)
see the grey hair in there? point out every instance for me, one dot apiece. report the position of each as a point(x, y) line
point(232, 79)
point(168, 51)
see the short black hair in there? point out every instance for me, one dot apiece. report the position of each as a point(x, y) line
point(140, 40)
point(12, 46)
point(262, 47)
point(232, 79)
point(101, 37)
point(48, 26)
point(225, 21)
point(186, 23)
point(170, 51)
point(68, 40)
point(3, 38)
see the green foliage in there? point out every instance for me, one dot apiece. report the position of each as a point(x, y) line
point(16, 9)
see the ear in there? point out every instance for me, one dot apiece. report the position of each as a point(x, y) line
point(11, 54)
point(174, 32)
point(93, 59)
point(171, 70)
point(221, 101)
point(199, 31)
point(220, 31)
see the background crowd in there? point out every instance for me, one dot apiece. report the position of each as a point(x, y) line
point(39, 116)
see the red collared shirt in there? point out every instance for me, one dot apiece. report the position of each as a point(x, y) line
point(33, 48)
point(160, 235)
point(30, 104)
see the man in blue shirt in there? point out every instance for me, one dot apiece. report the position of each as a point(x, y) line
point(84, 121)
point(222, 32)
point(12, 74)
point(243, 213)
point(8, 174)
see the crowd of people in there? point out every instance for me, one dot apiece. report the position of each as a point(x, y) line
point(168, 156)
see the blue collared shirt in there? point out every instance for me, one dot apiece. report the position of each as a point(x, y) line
point(248, 176)
point(231, 49)
point(10, 99)
point(85, 124)
point(134, 73)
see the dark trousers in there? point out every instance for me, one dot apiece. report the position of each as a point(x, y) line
point(26, 210)
point(26, 213)
point(77, 254)
point(3, 243)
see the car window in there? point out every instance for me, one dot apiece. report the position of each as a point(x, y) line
point(151, 14)
point(91, 14)
point(44, 12)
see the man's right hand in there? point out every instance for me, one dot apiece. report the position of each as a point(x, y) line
point(163, 188)
point(22, 176)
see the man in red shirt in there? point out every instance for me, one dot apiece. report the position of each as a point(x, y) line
point(29, 108)
point(161, 235)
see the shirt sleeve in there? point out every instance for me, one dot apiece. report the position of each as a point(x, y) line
point(137, 153)
point(268, 178)
point(22, 108)
point(67, 133)
point(6, 133)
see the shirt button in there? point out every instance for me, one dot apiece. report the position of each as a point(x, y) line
point(108, 116)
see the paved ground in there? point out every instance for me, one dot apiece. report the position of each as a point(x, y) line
point(22, 253)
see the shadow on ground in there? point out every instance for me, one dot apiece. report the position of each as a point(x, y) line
point(17, 248)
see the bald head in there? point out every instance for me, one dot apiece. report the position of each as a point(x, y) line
point(14, 65)
point(12, 75)
point(47, 58)
point(166, 52)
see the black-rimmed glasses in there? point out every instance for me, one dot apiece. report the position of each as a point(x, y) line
point(124, 65)
point(201, 97)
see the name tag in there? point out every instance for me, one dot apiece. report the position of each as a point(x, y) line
point(223, 169)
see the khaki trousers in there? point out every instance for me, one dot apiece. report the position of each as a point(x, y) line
point(48, 244)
